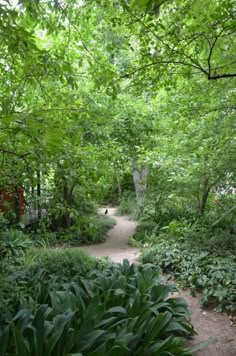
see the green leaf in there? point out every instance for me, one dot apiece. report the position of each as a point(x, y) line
point(117, 309)
point(22, 347)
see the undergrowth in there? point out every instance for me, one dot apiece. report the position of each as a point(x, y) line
point(70, 303)
point(127, 204)
point(88, 230)
point(214, 276)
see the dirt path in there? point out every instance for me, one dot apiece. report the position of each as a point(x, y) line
point(207, 324)
point(116, 245)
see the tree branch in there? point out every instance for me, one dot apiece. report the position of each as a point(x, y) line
point(163, 62)
point(221, 76)
point(14, 153)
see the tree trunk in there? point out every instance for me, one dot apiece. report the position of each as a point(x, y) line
point(16, 205)
point(67, 192)
point(202, 202)
point(39, 195)
point(119, 188)
point(139, 178)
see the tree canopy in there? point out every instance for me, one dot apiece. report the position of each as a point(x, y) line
point(93, 89)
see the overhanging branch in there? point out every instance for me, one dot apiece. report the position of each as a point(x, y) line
point(221, 76)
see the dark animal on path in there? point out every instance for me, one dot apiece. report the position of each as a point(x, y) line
point(106, 211)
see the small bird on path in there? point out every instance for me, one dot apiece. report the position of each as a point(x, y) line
point(106, 211)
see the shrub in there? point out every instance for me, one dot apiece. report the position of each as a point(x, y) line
point(67, 261)
point(120, 310)
point(127, 204)
point(13, 244)
point(19, 281)
point(196, 235)
point(3, 223)
point(87, 230)
point(93, 229)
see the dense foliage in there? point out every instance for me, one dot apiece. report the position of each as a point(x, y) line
point(129, 102)
point(125, 85)
point(199, 253)
point(69, 303)
point(214, 277)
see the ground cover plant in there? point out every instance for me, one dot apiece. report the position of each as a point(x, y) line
point(71, 303)
point(197, 251)
point(214, 277)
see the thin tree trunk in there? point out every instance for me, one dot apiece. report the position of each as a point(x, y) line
point(16, 205)
point(67, 192)
point(39, 194)
point(203, 199)
point(119, 185)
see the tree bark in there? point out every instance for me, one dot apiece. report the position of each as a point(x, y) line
point(67, 192)
point(39, 194)
point(205, 194)
point(119, 188)
point(139, 178)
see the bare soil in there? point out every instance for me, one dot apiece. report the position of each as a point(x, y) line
point(207, 323)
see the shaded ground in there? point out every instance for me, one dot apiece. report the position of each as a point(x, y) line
point(208, 324)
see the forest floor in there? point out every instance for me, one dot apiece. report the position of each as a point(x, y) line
point(207, 323)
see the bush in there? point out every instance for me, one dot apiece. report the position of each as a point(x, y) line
point(120, 310)
point(68, 261)
point(162, 209)
point(87, 230)
point(127, 204)
point(220, 242)
point(18, 281)
point(215, 277)
point(3, 223)
point(13, 244)
point(196, 235)
point(94, 228)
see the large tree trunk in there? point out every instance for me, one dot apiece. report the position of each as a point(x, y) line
point(139, 177)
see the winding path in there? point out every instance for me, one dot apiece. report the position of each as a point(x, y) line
point(116, 245)
point(208, 324)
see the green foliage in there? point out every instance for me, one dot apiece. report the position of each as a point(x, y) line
point(67, 260)
point(3, 223)
point(121, 309)
point(171, 217)
point(214, 277)
point(127, 204)
point(13, 243)
point(94, 229)
point(87, 229)
point(18, 280)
